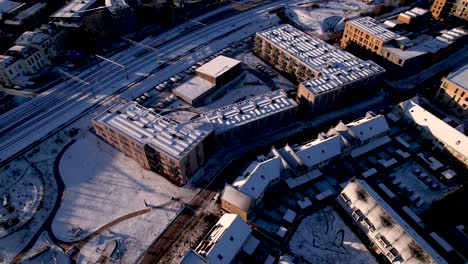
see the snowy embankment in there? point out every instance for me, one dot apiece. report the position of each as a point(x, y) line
point(325, 17)
point(104, 187)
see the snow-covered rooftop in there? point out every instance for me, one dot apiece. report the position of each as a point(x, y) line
point(256, 178)
point(389, 229)
point(374, 28)
point(438, 128)
point(32, 37)
point(320, 150)
point(147, 127)
point(336, 67)
point(193, 88)
point(225, 239)
point(217, 66)
point(7, 6)
point(74, 8)
point(460, 77)
point(337, 79)
point(249, 110)
point(18, 19)
point(312, 52)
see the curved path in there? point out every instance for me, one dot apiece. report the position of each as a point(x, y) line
point(47, 225)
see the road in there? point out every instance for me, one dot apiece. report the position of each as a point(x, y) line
point(49, 111)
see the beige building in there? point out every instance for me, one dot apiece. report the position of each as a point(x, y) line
point(32, 52)
point(444, 137)
point(443, 9)
point(327, 74)
point(453, 92)
point(403, 52)
point(210, 77)
point(157, 143)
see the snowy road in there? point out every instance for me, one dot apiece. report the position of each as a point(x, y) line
point(47, 112)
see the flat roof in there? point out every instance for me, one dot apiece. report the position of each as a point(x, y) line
point(249, 110)
point(225, 239)
point(193, 88)
point(6, 60)
point(218, 66)
point(374, 28)
point(459, 77)
point(18, 19)
point(335, 80)
point(388, 224)
point(438, 128)
point(147, 127)
point(7, 6)
point(73, 9)
point(313, 52)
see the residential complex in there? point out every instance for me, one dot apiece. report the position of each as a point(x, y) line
point(443, 9)
point(298, 165)
point(442, 136)
point(396, 42)
point(157, 143)
point(252, 117)
point(392, 236)
point(225, 242)
point(32, 52)
point(179, 150)
point(209, 78)
point(327, 74)
point(453, 92)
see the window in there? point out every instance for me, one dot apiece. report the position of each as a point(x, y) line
point(456, 91)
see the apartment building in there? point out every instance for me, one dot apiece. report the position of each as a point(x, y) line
point(227, 239)
point(298, 165)
point(405, 54)
point(251, 117)
point(391, 235)
point(33, 50)
point(327, 74)
point(453, 92)
point(444, 9)
point(443, 137)
point(174, 150)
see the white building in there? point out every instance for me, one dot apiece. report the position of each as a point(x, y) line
point(443, 136)
point(301, 164)
point(32, 52)
point(392, 236)
point(230, 236)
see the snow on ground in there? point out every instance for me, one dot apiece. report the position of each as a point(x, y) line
point(30, 184)
point(133, 236)
point(328, 16)
point(323, 237)
point(45, 251)
point(103, 185)
point(412, 183)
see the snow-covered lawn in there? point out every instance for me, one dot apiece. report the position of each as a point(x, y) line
point(323, 237)
point(45, 251)
point(326, 16)
point(103, 185)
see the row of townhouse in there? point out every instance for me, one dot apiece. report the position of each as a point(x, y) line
point(33, 50)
